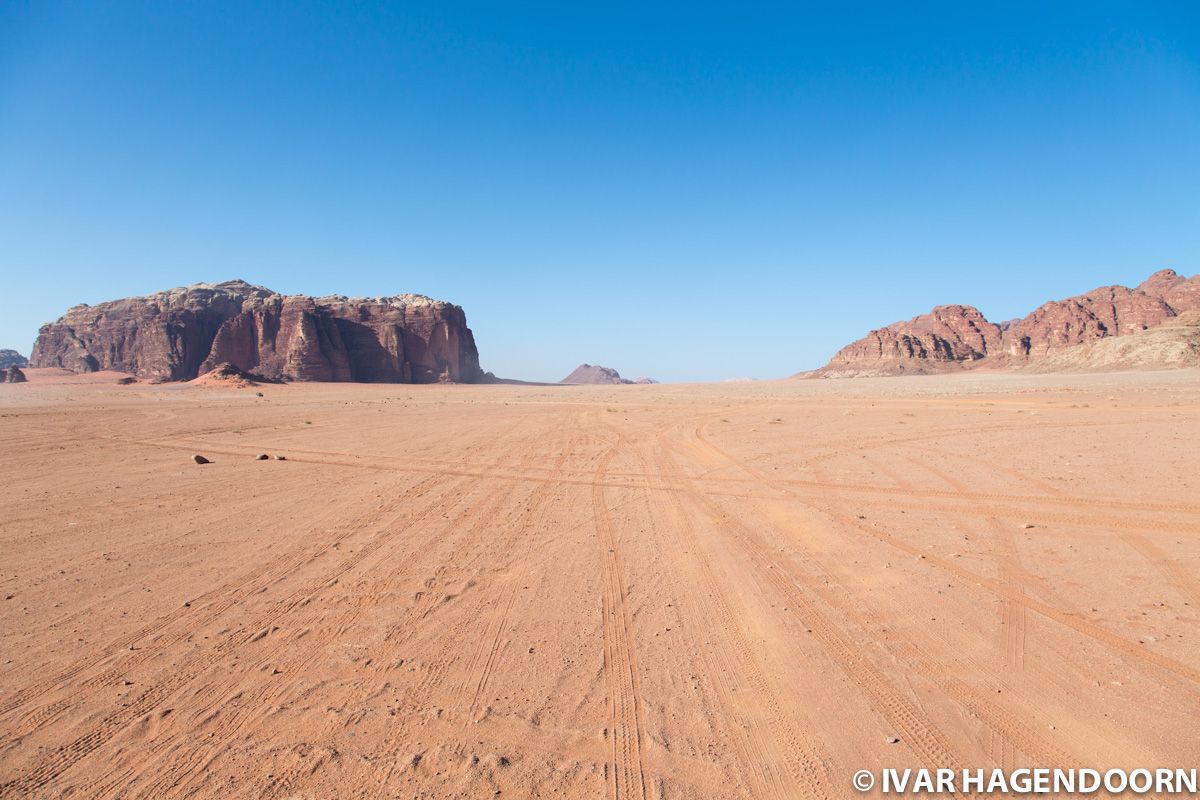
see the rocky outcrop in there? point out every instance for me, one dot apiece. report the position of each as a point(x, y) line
point(12, 374)
point(1103, 312)
point(594, 374)
point(180, 333)
point(11, 358)
point(1180, 293)
point(957, 337)
point(1174, 344)
point(226, 374)
point(947, 337)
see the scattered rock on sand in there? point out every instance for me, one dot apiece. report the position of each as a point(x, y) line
point(893, 740)
point(1027, 525)
point(126, 381)
point(261, 457)
point(281, 458)
point(199, 459)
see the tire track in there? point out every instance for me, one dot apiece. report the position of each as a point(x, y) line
point(901, 712)
point(1104, 636)
point(1011, 574)
point(826, 589)
point(462, 554)
point(204, 609)
point(483, 659)
point(807, 776)
point(49, 767)
point(626, 776)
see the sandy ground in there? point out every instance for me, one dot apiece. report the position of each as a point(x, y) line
point(742, 590)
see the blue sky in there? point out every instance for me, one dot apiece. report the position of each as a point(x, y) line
point(689, 191)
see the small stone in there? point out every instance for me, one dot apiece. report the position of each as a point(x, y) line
point(199, 459)
point(281, 458)
point(261, 457)
point(893, 740)
point(1027, 525)
point(258, 394)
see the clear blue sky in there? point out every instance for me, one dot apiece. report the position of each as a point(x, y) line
point(688, 192)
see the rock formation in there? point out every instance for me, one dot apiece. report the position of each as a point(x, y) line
point(1180, 293)
point(1174, 344)
point(226, 374)
point(11, 358)
point(594, 374)
point(1100, 313)
point(180, 333)
point(948, 336)
point(13, 374)
point(957, 337)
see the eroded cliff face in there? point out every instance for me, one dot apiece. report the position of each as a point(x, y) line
point(1098, 314)
point(957, 337)
point(178, 334)
point(947, 337)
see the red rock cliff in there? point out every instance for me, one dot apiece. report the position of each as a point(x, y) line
point(180, 333)
point(947, 337)
point(953, 337)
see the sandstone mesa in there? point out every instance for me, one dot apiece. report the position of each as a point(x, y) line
point(184, 332)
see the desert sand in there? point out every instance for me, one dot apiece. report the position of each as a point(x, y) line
point(733, 591)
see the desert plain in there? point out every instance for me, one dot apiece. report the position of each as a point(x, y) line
point(743, 590)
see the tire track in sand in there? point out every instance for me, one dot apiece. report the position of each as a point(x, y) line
point(483, 659)
point(904, 714)
point(58, 761)
point(204, 610)
point(1013, 614)
point(806, 775)
point(625, 776)
point(1077, 623)
point(1000, 722)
